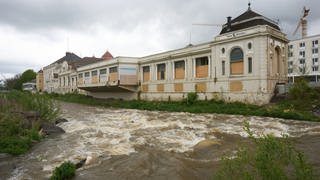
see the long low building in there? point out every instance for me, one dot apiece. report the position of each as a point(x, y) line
point(245, 62)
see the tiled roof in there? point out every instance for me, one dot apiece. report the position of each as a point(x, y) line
point(246, 20)
point(107, 56)
point(85, 61)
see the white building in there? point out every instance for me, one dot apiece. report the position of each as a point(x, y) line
point(303, 59)
point(52, 71)
point(245, 62)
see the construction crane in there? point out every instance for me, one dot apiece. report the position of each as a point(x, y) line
point(303, 23)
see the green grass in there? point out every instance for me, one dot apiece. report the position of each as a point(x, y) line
point(64, 171)
point(15, 139)
point(272, 158)
point(281, 110)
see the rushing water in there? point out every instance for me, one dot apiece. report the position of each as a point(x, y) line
point(136, 144)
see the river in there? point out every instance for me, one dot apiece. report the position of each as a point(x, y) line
point(137, 144)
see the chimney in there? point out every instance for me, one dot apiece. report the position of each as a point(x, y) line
point(229, 23)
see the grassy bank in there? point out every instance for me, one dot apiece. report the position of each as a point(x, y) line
point(280, 110)
point(17, 134)
point(272, 158)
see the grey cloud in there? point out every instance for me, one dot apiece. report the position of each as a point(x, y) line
point(123, 15)
point(174, 17)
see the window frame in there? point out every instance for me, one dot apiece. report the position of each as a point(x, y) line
point(161, 68)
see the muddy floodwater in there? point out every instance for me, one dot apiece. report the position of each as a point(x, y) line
point(137, 144)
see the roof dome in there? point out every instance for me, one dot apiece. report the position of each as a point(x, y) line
point(246, 20)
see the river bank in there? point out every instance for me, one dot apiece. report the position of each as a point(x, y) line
point(140, 144)
point(283, 109)
point(22, 116)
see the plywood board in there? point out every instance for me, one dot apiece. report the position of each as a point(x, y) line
point(236, 68)
point(113, 77)
point(201, 87)
point(80, 81)
point(179, 73)
point(145, 88)
point(160, 87)
point(94, 80)
point(146, 76)
point(128, 79)
point(202, 71)
point(178, 87)
point(236, 86)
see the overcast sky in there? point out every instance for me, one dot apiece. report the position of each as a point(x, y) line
point(34, 33)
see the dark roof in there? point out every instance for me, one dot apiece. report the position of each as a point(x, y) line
point(69, 57)
point(250, 19)
point(85, 61)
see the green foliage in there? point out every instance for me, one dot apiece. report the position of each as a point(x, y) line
point(64, 171)
point(13, 83)
point(212, 106)
point(302, 96)
point(17, 81)
point(273, 158)
point(191, 98)
point(14, 138)
point(47, 107)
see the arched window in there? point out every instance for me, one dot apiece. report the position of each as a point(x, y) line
point(236, 61)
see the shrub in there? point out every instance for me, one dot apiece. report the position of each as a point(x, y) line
point(47, 107)
point(191, 98)
point(15, 138)
point(303, 97)
point(272, 158)
point(65, 171)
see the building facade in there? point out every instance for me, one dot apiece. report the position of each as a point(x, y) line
point(303, 60)
point(245, 62)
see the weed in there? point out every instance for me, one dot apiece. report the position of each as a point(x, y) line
point(65, 171)
point(272, 158)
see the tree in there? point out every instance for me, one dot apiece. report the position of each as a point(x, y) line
point(17, 81)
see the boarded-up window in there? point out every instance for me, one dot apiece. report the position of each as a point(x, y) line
point(236, 61)
point(146, 73)
point(113, 74)
point(161, 71)
point(160, 87)
point(201, 87)
point(179, 69)
point(178, 87)
point(235, 86)
point(145, 88)
point(202, 67)
point(80, 79)
point(94, 77)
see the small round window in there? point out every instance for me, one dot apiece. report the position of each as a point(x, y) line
point(249, 45)
point(223, 50)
